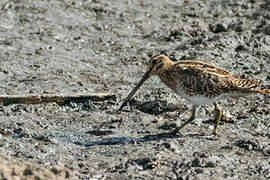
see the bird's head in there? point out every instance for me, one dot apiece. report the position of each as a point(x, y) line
point(155, 66)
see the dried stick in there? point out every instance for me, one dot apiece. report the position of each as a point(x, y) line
point(59, 98)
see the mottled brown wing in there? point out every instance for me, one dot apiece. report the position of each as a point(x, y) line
point(198, 82)
point(212, 82)
point(241, 85)
point(206, 67)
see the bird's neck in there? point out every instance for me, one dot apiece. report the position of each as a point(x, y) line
point(166, 76)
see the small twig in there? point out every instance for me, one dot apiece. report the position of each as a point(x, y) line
point(59, 98)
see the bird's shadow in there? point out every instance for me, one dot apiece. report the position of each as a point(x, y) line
point(128, 140)
point(150, 107)
point(136, 140)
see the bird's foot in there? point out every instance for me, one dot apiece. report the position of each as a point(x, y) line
point(176, 130)
point(213, 136)
point(225, 117)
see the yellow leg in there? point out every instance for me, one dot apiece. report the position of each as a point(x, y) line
point(217, 118)
point(192, 117)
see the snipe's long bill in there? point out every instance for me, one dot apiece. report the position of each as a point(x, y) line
point(198, 82)
point(143, 79)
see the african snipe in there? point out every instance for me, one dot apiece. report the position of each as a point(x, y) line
point(199, 82)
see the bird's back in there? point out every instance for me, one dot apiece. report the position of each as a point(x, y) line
point(200, 81)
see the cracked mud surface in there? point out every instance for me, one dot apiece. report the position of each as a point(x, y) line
point(101, 46)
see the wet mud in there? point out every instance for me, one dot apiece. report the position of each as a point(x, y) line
point(101, 47)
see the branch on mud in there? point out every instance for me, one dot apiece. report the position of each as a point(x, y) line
point(59, 98)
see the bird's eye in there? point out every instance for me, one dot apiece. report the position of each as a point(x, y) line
point(154, 61)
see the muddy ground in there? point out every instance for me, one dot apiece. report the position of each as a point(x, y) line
point(101, 46)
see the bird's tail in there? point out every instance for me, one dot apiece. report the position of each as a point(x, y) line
point(265, 91)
